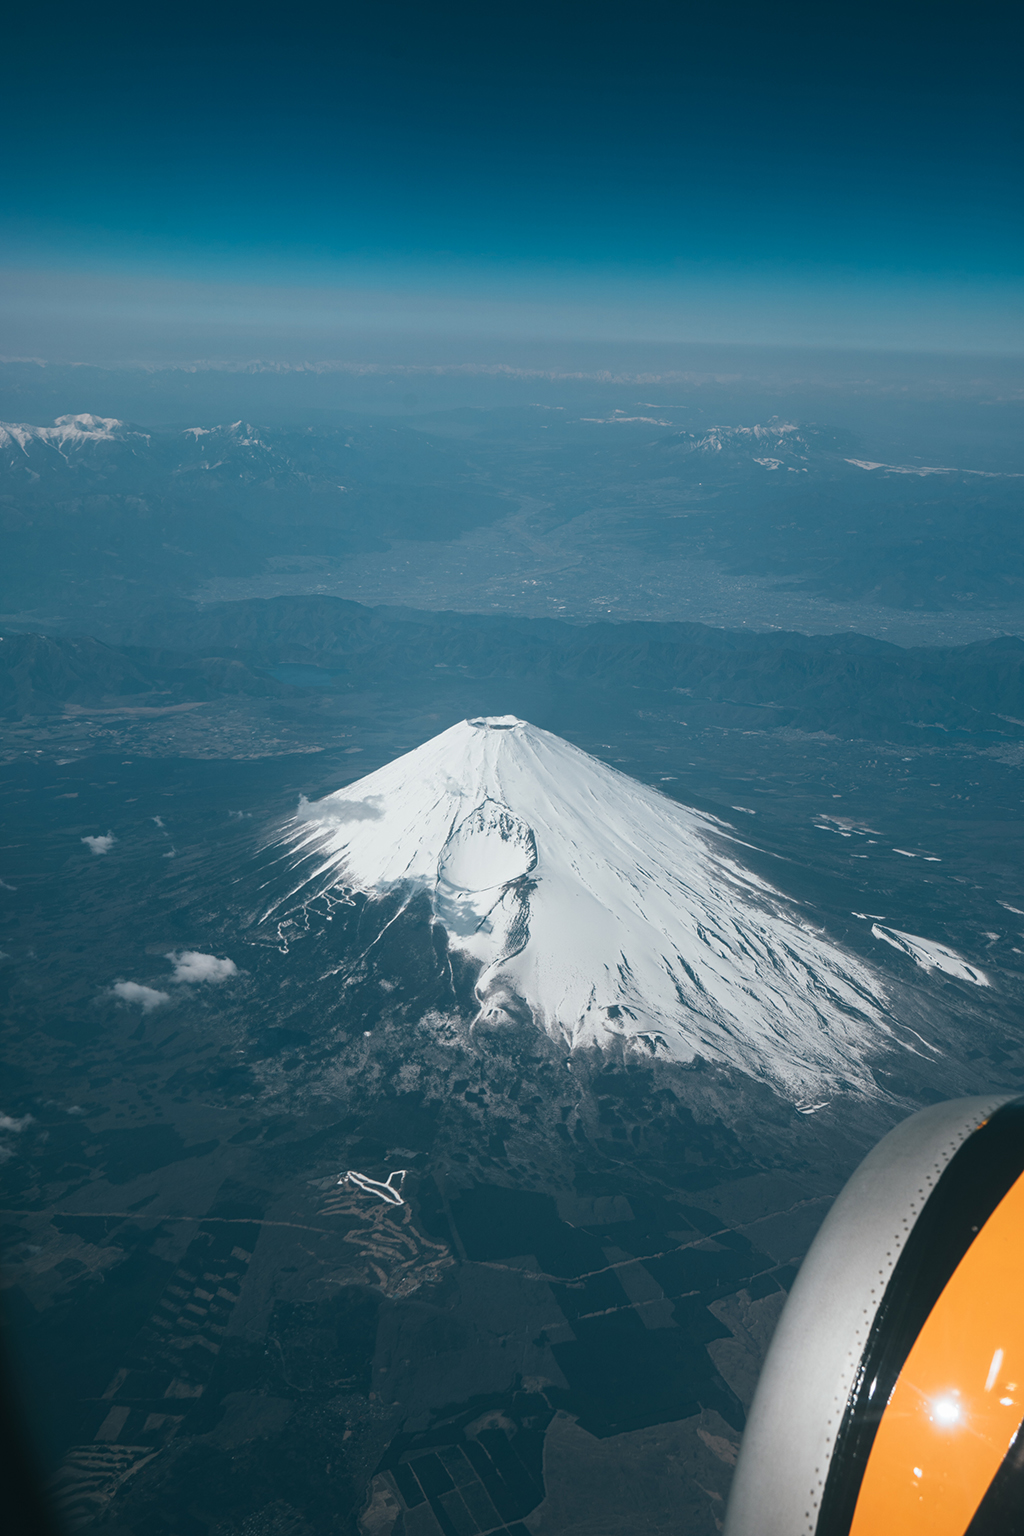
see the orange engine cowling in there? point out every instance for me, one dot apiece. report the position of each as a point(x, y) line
point(891, 1402)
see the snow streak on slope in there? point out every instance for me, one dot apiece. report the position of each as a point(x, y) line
point(931, 956)
point(612, 910)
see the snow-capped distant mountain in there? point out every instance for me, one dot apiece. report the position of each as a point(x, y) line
point(24, 446)
point(237, 451)
point(202, 460)
point(65, 430)
point(236, 432)
point(610, 909)
point(776, 445)
point(103, 442)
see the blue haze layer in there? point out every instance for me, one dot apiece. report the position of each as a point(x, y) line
point(715, 173)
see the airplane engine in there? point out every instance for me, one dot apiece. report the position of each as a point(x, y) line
point(891, 1402)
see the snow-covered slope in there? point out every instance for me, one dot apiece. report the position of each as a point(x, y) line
point(68, 433)
point(612, 910)
point(931, 956)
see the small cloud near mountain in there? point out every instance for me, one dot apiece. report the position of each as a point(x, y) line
point(134, 992)
point(333, 812)
point(191, 967)
point(17, 1125)
point(101, 844)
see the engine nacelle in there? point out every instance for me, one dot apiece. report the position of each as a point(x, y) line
point(891, 1402)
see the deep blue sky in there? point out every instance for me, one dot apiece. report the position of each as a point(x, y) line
point(841, 174)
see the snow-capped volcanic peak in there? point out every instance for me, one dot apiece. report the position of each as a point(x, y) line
point(610, 909)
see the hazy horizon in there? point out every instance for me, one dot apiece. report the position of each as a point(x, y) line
point(277, 185)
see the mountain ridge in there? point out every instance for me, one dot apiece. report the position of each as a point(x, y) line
point(848, 684)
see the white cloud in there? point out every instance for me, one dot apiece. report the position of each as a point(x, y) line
point(191, 966)
point(8, 1123)
point(332, 812)
point(16, 1126)
point(134, 992)
point(5, 887)
point(101, 844)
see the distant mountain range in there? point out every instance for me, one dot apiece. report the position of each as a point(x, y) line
point(89, 454)
point(99, 513)
point(848, 685)
point(92, 499)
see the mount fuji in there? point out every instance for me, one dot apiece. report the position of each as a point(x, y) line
point(614, 913)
